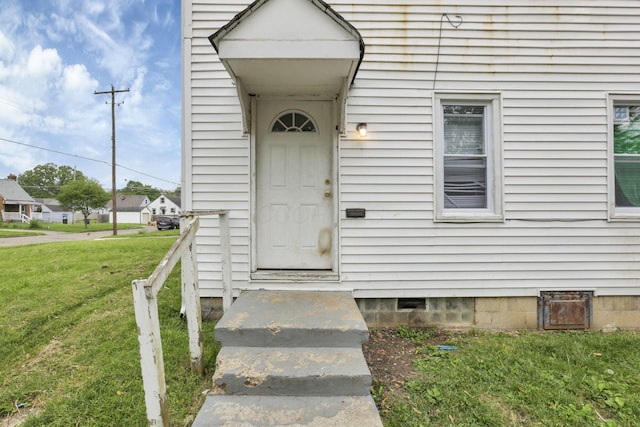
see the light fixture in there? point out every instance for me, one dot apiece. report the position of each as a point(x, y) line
point(361, 128)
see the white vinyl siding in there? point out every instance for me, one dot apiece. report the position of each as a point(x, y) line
point(554, 63)
point(216, 160)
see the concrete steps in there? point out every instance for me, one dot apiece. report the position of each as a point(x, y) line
point(319, 371)
point(290, 411)
point(291, 359)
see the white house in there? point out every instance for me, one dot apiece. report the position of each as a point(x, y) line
point(164, 205)
point(51, 211)
point(497, 185)
point(131, 209)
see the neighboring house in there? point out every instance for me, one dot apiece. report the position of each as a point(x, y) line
point(51, 211)
point(498, 185)
point(16, 204)
point(131, 209)
point(165, 205)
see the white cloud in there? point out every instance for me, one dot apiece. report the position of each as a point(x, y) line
point(55, 54)
point(7, 48)
point(15, 160)
point(43, 63)
point(77, 83)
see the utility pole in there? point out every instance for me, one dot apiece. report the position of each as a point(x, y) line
point(113, 153)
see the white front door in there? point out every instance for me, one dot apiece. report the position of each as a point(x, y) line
point(294, 202)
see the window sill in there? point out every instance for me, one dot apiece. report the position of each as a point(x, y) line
point(625, 215)
point(468, 217)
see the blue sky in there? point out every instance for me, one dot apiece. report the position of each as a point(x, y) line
point(54, 54)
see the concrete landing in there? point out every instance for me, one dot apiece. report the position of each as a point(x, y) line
point(289, 319)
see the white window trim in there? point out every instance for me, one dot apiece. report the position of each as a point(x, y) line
point(617, 213)
point(495, 210)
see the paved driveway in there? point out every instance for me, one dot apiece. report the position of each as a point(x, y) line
point(56, 236)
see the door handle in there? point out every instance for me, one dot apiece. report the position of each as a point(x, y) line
point(327, 193)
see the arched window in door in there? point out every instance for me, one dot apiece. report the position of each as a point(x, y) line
point(293, 121)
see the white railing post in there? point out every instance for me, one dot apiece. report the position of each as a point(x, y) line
point(225, 253)
point(151, 359)
point(193, 310)
point(145, 294)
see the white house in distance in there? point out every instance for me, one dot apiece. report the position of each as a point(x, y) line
point(497, 185)
point(164, 205)
point(131, 209)
point(51, 211)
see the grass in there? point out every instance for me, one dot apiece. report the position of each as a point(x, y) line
point(78, 227)
point(4, 233)
point(69, 352)
point(519, 379)
point(68, 338)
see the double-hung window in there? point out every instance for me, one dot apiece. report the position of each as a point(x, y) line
point(624, 177)
point(468, 153)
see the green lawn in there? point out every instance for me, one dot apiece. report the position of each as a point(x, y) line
point(518, 379)
point(69, 352)
point(78, 227)
point(68, 340)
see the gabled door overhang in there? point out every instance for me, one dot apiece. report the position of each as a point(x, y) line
point(290, 48)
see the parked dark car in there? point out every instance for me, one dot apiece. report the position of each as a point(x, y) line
point(167, 223)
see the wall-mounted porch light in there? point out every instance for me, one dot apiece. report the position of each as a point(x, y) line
point(361, 128)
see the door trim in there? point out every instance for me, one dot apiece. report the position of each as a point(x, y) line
point(332, 274)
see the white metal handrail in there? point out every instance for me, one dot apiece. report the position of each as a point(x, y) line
point(145, 294)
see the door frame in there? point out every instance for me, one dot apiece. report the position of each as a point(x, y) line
point(294, 275)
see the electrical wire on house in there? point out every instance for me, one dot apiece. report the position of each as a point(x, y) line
point(454, 25)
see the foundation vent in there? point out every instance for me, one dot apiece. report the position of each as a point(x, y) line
point(412, 304)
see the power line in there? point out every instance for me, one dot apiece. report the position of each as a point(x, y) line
point(14, 104)
point(87, 158)
point(54, 151)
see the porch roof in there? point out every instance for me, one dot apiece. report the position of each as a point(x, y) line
point(290, 48)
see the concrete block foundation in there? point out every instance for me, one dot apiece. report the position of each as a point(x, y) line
point(491, 313)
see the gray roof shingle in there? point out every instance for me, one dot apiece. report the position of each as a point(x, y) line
point(12, 193)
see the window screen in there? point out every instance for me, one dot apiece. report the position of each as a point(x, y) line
point(626, 143)
point(465, 157)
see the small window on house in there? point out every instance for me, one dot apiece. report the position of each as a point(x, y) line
point(162, 199)
point(625, 176)
point(293, 121)
point(468, 151)
point(153, 211)
point(173, 210)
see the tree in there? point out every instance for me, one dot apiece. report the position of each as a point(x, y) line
point(84, 195)
point(138, 188)
point(177, 192)
point(47, 180)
